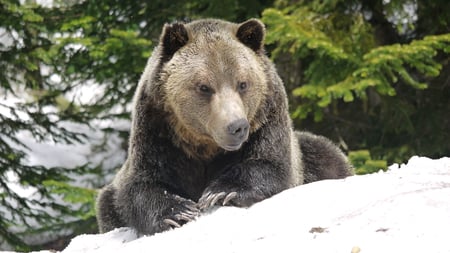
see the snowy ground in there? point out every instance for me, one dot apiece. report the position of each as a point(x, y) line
point(406, 209)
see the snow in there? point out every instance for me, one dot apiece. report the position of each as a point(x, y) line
point(406, 209)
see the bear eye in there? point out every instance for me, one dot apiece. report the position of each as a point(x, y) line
point(204, 89)
point(242, 86)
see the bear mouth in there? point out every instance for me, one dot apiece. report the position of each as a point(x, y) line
point(233, 147)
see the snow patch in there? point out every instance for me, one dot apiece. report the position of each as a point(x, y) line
point(406, 209)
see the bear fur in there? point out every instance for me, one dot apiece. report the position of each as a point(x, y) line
point(210, 126)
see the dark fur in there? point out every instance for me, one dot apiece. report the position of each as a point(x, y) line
point(321, 158)
point(160, 182)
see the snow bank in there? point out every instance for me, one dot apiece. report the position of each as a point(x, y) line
point(406, 209)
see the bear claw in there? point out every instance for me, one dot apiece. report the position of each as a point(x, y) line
point(229, 197)
point(210, 199)
point(181, 218)
point(186, 216)
point(172, 223)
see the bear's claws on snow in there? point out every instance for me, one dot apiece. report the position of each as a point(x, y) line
point(172, 223)
point(192, 210)
point(185, 212)
point(210, 199)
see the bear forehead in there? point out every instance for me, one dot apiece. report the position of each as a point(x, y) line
point(210, 27)
point(215, 62)
point(222, 55)
point(213, 52)
point(229, 54)
point(213, 35)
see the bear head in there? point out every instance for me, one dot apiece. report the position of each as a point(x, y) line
point(214, 83)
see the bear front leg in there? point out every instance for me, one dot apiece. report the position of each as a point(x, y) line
point(152, 209)
point(245, 184)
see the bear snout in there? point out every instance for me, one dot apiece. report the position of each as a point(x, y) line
point(238, 128)
point(237, 133)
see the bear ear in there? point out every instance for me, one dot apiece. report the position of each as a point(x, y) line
point(174, 36)
point(251, 33)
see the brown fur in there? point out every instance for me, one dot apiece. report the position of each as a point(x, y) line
point(197, 121)
point(210, 126)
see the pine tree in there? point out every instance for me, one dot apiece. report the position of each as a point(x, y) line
point(24, 59)
point(368, 72)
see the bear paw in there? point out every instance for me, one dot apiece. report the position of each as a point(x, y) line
point(233, 197)
point(181, 213)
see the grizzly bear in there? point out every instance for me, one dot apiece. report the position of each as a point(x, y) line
point(210, 126)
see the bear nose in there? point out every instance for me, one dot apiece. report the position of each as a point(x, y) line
point(238, 129)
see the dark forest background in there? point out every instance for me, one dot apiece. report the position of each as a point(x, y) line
point(374, 76)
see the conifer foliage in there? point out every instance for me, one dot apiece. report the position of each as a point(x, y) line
point(366, 72)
